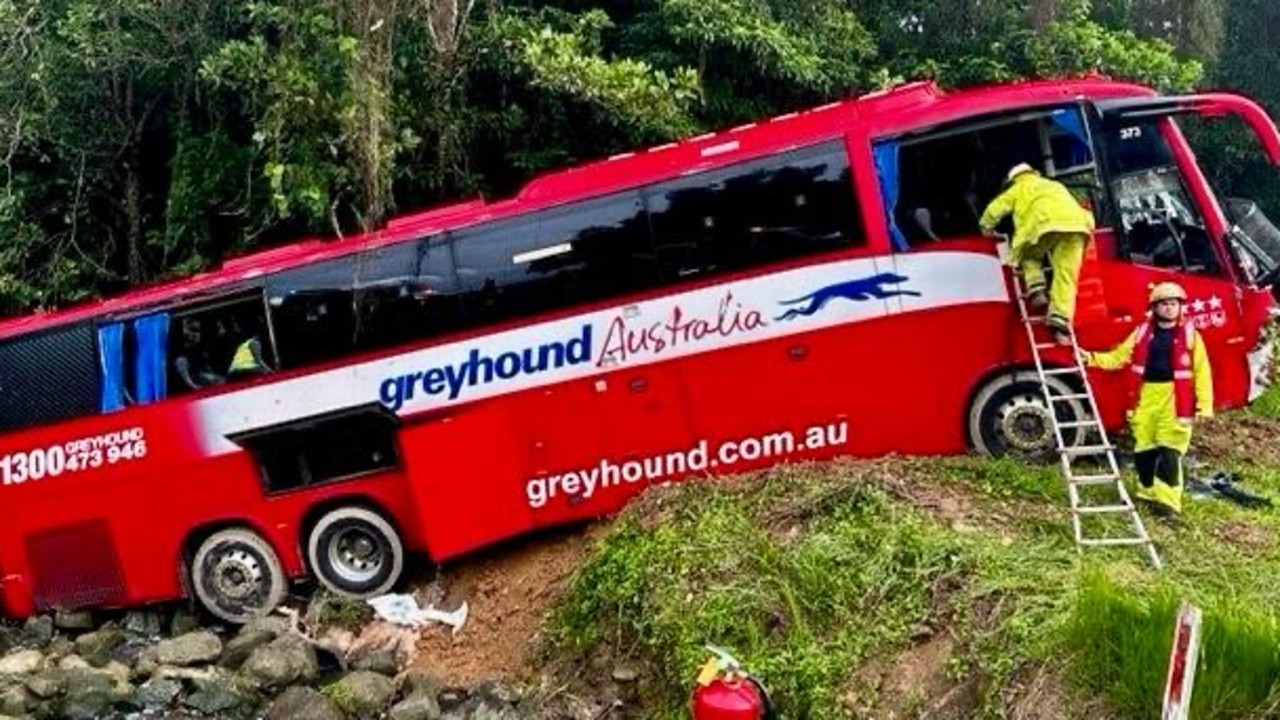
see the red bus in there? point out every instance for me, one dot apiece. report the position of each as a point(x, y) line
point(807, 286)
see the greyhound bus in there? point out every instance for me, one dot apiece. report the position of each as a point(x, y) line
point(808, 286)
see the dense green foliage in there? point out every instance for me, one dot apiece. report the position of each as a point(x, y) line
point(141, 138)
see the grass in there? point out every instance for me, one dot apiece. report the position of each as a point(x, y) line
point(824, 580)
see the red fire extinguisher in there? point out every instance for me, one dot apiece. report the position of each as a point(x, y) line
point(725, 691)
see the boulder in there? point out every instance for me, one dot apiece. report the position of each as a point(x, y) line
point(363, 693)
point(193, 648)
point(420, 706)
point(22, 662)
point(239, 648)
point(284, 661)
point(303, 703)
point(157, 693)
point(75, 620)
point(97, 647)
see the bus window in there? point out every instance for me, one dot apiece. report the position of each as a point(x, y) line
point(371, 300)
point(204, 339)
point(1159, 223)
point(49, 376)
point(755, 213)
point(558, 258)
point(943, 180)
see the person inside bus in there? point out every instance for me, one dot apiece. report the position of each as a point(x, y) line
point(247, 361)
point(1170, 385)
point(194, 364)
point(1048, 223)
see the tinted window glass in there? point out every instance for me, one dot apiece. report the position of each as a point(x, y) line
point(778, 208)
point(555, 259)
point(375, 299)
point(48, 377)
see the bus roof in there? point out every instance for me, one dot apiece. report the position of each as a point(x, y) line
point(908, 107)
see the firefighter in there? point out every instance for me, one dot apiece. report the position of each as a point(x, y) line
point(247, 360)
point(1170, 379)
point(1048, 223)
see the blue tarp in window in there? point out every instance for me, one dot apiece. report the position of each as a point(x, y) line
point(111, 361)
point(1072, 123)
point(886, 156)
point(150, 366)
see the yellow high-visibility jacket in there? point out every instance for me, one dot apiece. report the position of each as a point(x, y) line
point(1202, 375)
point(1039, 205)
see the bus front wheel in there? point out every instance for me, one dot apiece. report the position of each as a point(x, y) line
point(1009, 416)
point(355, 552)
point(237, 576)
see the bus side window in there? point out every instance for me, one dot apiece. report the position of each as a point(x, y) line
point(555, 259)
point(755, 213)
point(1158, 221)
point(945, 179)
point(203, 340)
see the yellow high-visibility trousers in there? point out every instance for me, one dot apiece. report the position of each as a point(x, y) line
point(1160, 440)
point(1065, 253)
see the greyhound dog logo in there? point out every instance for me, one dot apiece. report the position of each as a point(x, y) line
point(866, 288)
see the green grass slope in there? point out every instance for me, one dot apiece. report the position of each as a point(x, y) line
point(948, 587)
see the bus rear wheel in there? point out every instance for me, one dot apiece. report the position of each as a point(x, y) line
point(237, 576)
point(1009, 416)
point(355, 552)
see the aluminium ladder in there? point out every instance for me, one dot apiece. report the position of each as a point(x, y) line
point(1092, 441)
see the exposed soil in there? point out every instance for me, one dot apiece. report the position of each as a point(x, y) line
point(1240, 438)
point(509, 591)
point(1037, 693)
point(913, 683)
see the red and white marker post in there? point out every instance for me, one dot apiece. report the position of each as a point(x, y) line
point(1182, 663)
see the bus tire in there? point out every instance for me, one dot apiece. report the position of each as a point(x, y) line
point(1009, 415)
point(355, 552)
point(237, 576)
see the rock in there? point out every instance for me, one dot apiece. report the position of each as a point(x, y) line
point(73, 662)
point(239, 648)
point(379, 661)
point(363, 693)
point(143, 624)
point(146, 665)
point(303, 703)
point(286, 660)
point(498, 692)
point(183, 622)
point(59, 648)
point(273, 624)
point(22, 662)
point(129, 653)
point(15, 700)
point(219, 693)
point(96, 647)
point(418, 682)
point(37, 631)
point(420, 706)
point(74, 620)
point(625, 674)
point(47, 684)
point(190, 649)
point(8, 638)
point(478, 708)
point(157, 693)
point(92, 694)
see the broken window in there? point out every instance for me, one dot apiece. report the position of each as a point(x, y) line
point(1159, 223)
point(203, 339)
point(936, 185)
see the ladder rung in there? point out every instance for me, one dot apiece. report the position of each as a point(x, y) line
point(1087, 450)
point(1046, 346)
point(1115, 541)
point(1061, 371)
point(1092, 479)
point(1100, 509)
point(1072, 396)
point(1078, 424)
